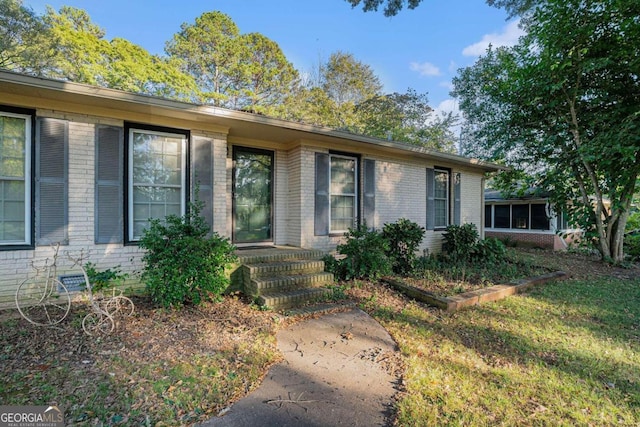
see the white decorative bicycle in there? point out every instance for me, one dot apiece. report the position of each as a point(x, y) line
point(42, 299)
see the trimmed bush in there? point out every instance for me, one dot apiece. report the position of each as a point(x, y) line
point(365, 255)
point(460, 242)
point(182, 264)
point(404, 238)
point(489, 250)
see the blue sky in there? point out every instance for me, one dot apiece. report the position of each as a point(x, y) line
point(419, 49)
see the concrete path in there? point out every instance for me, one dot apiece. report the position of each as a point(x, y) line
point(331, 376)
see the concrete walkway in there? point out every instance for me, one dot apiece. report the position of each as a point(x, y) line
point(331, 376)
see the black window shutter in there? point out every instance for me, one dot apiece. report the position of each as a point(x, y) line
point(202, 175)
point(369, 202)
point(52, 198)
point(431, 209)
point(456, 199)
point(109, 195)
point(321, 223)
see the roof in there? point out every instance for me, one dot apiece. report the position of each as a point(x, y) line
point(531, 193)
point(36, 92)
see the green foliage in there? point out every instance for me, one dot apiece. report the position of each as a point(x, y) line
point(83, 55)
point(365, 255)
point(406, 117)
point(404, 238)
point(182, 263)
point(489, 250)
point(26, 44)
point(460, 241)
point(239, 71)
point(562, 106)
point(104, 279)
point(391, 8)
point(632, 246)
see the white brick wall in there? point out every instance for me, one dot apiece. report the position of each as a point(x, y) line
point(281, 198)
point(400, 193)
point(15, 266)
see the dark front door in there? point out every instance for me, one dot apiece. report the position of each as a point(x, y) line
point(252, 195)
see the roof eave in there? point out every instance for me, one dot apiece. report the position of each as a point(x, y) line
point(127, 100)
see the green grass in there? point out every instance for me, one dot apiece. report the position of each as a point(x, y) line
point(567, 353)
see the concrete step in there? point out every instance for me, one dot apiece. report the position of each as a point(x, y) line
point(284, 268)
point(293, 298)
point(320, 308)
point(288, 282)
point(257, 256)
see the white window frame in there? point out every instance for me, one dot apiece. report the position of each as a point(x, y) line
point(446, 199)
point(131, 184)
point(510, 228)
point(332, 193)
point(27, 180)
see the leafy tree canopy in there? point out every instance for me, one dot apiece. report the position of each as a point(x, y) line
point(85, 56)
point(233, 70)
point(26, 46)
point(210, 61)
point(564, 106)
point(406, 117)
point(391, 8)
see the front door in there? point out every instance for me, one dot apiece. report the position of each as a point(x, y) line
point(252, 195)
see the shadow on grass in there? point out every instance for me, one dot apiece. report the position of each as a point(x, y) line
point(586, 330)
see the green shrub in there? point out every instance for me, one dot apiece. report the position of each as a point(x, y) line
point(489, 250)
point(182, 264)
point(365, 254)
point(460, 241)
point(632, 246)
point(404, 238)
point(104, 279)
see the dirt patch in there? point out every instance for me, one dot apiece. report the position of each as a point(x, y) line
point(444, 288)
point(578, 265)
point(136, 369)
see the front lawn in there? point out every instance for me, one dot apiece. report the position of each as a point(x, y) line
point(566, 353)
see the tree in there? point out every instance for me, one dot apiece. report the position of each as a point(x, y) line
point(262, 76)
point(85, 56)
point(406, 117)
point(26, 45)
point(565, 105)
point(233, 70)
point(391, 9)
point(206, 51)
point(330, 99)
point(347, 80)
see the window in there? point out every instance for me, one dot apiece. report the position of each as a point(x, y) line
point(157, 177)
point(15, 179)
point(562, 219)
point(487, 216)
point(441, 198)
point(343, 193)
point(539, 218)
point(520, 217)
point(502, 216)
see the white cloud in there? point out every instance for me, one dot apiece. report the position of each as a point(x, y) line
point(425, 69)
point(508, 37)
point(448, 106)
